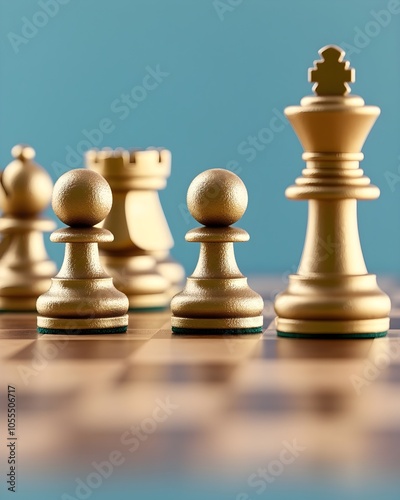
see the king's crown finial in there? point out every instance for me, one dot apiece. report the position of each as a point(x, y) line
point(331, 74)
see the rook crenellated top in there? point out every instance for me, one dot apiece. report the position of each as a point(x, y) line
point(139, 168)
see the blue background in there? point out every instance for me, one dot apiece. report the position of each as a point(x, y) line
point(229, 73)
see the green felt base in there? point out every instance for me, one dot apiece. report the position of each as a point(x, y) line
point(216, 331)
point(332, 335)
point(147, 309)
point(88, 331)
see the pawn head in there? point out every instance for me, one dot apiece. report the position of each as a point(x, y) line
point(81, 198)
point(217, 198)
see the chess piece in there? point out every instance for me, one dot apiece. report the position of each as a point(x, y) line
point(217, 298)
point(332, 292)
point(82, 297)
point(25, 268)
point(138, 258)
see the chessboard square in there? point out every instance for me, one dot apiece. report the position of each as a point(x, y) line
point(395, 322)
point(71, 349)
point(178, 373)
point(266, 348)
point(195, 350)
point(150, 320)
point(13, 346)
point(392, 374)
point(100, 411)
point(18, 334)
point(17, 321)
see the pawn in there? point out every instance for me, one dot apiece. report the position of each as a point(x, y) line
point(217, 298)
point(25, 267)
point(82, 298)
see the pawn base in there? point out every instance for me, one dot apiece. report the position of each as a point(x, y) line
point(96, 331)
point(216, 331)
point(79, 326)
point(217, 326)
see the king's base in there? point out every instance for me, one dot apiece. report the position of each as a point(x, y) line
point(86, 326)
point(350, 329)
point(216, 326)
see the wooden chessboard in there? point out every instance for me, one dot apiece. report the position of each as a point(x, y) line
point(215, 406)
